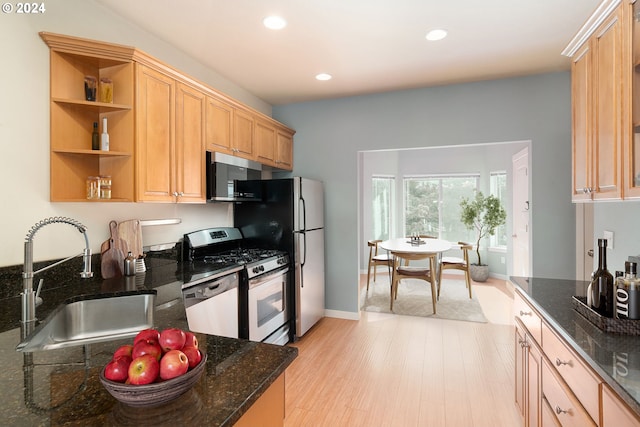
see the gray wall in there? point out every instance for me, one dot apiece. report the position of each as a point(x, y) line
point(330, 133)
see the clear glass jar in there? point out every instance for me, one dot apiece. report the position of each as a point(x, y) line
point(105, 187)
point(93, 187)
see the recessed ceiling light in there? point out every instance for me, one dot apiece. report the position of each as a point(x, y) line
point(274, 22)
point(435, 35)
point(323, 76)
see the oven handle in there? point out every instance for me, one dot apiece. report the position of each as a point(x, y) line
point(261, 280)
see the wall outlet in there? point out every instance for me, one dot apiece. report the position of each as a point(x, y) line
point(609, 236)
point(502, 260)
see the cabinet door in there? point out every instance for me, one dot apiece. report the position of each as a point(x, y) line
point(284, 151)
point(533, 385)
point(265, 143)
point(243, 134)
point(189, 144)
point(520, 362)
point(608, 123)
point(219, 125)
point(614, 412)
point(581, 123)
point(155, 162)
point(548, 416)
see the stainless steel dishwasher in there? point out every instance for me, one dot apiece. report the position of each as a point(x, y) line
point(211, 305)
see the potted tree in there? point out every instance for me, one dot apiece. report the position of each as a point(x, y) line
point(484, 215)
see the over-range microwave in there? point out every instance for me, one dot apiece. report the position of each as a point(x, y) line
point(224, 172)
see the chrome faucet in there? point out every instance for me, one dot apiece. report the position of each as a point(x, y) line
point(28, 294)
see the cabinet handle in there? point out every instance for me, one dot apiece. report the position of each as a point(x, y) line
point(175, 194)
point(559, 410)
point(525, 313)
point(560, 362)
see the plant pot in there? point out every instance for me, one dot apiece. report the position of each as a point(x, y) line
point(479, 273)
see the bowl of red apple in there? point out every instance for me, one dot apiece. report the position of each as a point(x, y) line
point(156, 368)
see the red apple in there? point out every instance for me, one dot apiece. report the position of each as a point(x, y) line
point(193, 354)
point(147, 334)
point(147, 347)
point(118, 369)
point(173, 364)
point(172, 339)
point(143, 370)
point(123, 350)
point(191, 340)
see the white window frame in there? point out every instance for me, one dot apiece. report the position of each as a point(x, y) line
point(493, 246)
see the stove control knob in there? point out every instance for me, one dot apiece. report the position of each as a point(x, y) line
point(262, 268)
point(256, 269)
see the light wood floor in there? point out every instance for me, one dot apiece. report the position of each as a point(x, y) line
point(390, 370)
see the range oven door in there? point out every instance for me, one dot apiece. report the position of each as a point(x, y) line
point(268, 309)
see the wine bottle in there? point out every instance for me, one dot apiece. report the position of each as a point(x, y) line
point(602, 297)
point(104, 139)
point(95, 138)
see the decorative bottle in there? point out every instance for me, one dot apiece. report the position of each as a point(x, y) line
point(602, 296)
point(95, 137)
point(104, 139)
point(627, 293)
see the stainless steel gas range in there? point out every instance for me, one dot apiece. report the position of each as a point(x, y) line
point(233, 290)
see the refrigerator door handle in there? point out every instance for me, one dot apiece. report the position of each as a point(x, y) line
point(303, 210)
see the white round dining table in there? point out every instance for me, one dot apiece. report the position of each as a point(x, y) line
point(425, 246)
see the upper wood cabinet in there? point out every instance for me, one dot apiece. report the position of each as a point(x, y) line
point(161, 122)
point(599, 72)
point(632, 149)
point(274, 145)
point(242, 137)
point(72, 159)
point(219, 126)
point(170, 139)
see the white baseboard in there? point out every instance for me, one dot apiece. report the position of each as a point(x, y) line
point(348, 315)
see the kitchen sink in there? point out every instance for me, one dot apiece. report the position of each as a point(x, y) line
point(91, 319)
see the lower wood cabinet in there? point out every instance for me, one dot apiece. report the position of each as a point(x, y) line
point(556, 387)
point(614, 412)
point(268, 411)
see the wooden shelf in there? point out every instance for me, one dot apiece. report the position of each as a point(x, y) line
point(101, 106)
point(92, 152)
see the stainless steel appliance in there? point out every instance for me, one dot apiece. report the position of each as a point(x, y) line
point(268, 308)
point(223, 174)
point(290, 217)
point(232, 289)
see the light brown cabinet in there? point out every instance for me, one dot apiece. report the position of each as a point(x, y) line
point(599, 97)
point(553, 385)
point(161, 122)
point(274, 145)
point(269, 409)
point(169, 139)
point(219, 126)
point(72, 159)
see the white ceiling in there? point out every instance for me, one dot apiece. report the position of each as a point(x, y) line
point(367, 45)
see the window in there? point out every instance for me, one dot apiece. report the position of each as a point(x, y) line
point(498, 183)
point(382, 197)
point(432, 205)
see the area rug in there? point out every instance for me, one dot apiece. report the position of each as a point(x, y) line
point(414, 299)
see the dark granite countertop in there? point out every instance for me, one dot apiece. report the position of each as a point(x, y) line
point(61, 387)
point(615, 357)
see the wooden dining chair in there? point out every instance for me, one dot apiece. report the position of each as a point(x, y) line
point(376, 259)
point(457, 263)
point(401, 271)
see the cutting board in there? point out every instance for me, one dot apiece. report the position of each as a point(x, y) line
point(130, 232)
point(112, 259)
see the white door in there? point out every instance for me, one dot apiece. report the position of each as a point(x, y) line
point(521, 213)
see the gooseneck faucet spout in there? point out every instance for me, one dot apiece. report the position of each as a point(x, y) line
point(28, 294)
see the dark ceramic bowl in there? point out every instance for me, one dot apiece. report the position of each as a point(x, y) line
point(155, 393)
